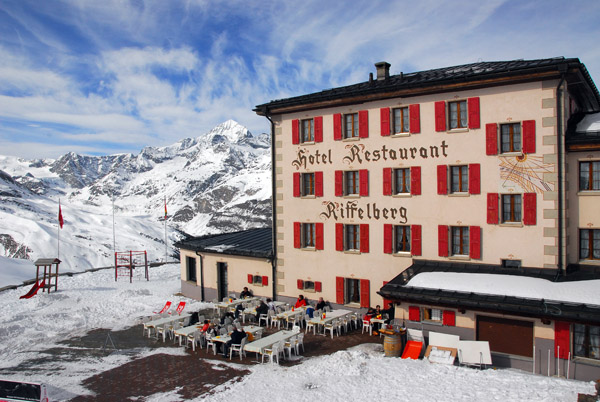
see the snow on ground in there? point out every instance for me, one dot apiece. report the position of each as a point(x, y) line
point(94, 300)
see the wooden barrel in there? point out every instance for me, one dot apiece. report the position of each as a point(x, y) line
point(392, 345)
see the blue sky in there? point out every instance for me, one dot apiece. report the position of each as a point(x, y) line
point(113, 76)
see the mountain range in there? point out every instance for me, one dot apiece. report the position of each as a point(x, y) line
point(217, 182)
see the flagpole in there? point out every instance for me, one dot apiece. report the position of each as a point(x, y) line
point(113, 225)
point(166, 229)
point(59, 218)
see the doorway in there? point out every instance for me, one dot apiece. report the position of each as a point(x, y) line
point(222, 280)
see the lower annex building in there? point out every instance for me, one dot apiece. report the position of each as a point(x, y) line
point(468, 196)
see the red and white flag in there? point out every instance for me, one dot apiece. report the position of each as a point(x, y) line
point(60, 218)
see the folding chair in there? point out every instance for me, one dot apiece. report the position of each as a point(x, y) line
point(164, 309)
point(180, 307)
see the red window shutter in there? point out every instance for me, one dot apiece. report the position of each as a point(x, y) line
point(440, 116)
point(363, 124)
point(319, 243)
point(562, 339)
point(300, 283)
point(339, 237)
point(297, 184)
point(473, 108)
point(475, 242)
point(414, 313)
point(387, 238)
point(415, 180)
point(365, 293)
point(443, 240)
point(297, 235)
point(491, 139)
point(385, 121)
point(387, 181)
point(339, 183)
point(250, 278)
point(415, 239)
point(318, 184)
point(319, 129)
point(265, 280)
point(339, 290)
point(474, 178)
point(492, 208)
point(529, 206)
point(318, 287)
point(529, 136)
point(337, 126)
point(364, 238)
point(415, 119)
point(442, 179)
point(449, 318)
point(295, 131)
point(364, 182)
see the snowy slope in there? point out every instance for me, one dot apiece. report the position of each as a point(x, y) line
point(219, 181)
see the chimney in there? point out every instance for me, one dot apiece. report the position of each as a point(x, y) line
point(383, 70)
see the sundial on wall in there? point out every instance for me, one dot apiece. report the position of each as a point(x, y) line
point(524, 173)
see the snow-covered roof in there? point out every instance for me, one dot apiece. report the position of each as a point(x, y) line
point(590, 123)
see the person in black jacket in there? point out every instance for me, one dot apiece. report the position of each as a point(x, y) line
point(245, 293)
point(261, 309)
point(236, 339)
point(320, 304)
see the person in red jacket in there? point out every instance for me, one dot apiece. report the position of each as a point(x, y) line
point(300, 302)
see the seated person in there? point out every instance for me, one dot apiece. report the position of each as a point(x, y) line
point(321, 304)
point(238, 311)
point(375, 313)
point(236, 339)
point(271, 304)
point(227, 319)
point(300, 302)
point(205, 326)
point(245, 293)
point(261, 309)
point(390, 311)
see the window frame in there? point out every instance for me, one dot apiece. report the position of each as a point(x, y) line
point(308, 234)
point(352, 293)
point(303, 185)
point(464, 241)
point(349, 182)
point(406, 183)
point(514, 215)
point(188, 270)
point(427, 314)
point(406, 242)
point(459, 115)
point(352, 237)
point(593, 234)
point(351, 118)
point(257, 280)
point(311, 131)
point(586, 344)
point(463, 181)
point(404, 120)
point(513, 143)
point(593, 183)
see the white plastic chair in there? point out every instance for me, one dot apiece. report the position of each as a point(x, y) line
point(272, 353)
point(331, 327)
point(367, 326)
point(209, 343)
point(265, 318)
point(289, 346)
point(238, 348)
point(299, 342)
point(194, 338)
point(310, 325)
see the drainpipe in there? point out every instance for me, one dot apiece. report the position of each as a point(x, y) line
point(560, 134)
point(273, 205)
point(201, 276)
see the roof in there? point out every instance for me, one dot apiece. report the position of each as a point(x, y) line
point(250, 243)
point(400, 289)
point(46, 261)
point(583, 132)
point(481, 74)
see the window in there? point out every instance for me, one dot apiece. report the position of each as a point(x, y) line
point(586, 341)
point(257, 280)
point(309, 285)
point(589, 244)
point(511, 263)
point(307, 131)
point(308, 235)
point(351, 237)
point(351, 182)
point(308, 184)
point(351, 125)
point(589, 176)
point(402, 181)
point(511, 208)
point(191, 268)
point(352, 291)
point(459, 179)
point(460, 240)
point(401, 239)
point(432, 315)
point(510, 137)
point(401, 120)
point(457, 114)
